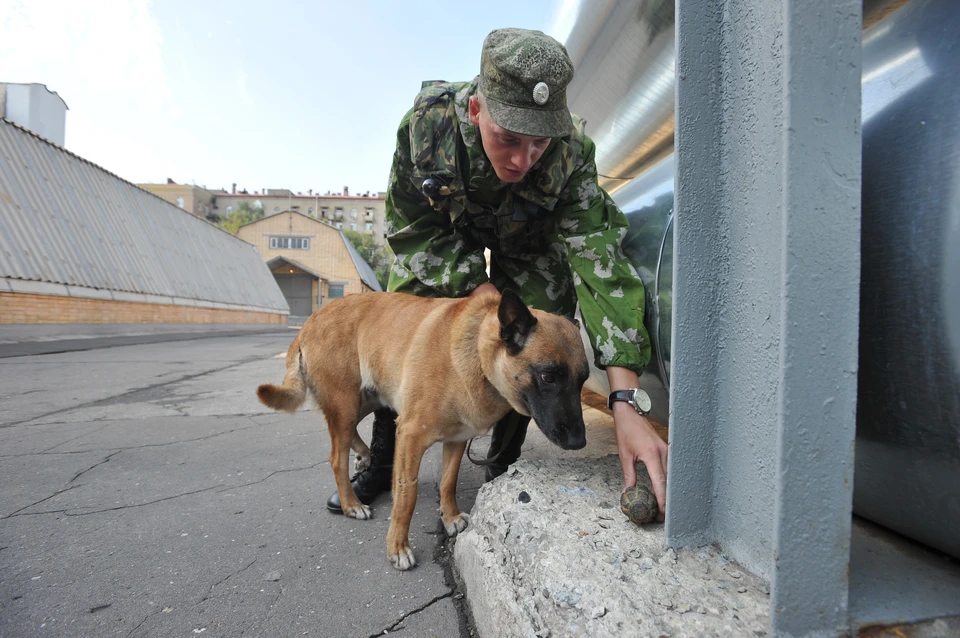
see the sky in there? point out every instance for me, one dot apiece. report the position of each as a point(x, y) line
point(280, 94)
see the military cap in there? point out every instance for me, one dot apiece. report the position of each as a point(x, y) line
point(523, 79)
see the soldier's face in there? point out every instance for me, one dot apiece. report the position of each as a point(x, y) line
point(511, 154)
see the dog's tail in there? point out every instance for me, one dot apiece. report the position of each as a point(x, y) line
point(290, 395)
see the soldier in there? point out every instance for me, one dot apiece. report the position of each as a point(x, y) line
point(500, 163)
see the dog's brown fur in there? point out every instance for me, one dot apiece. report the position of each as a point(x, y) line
point(450, 368)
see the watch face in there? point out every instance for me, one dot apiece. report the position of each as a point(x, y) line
point(642, 400)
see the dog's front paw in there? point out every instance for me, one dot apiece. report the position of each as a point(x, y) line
point(457, 524)
point(360, 512)
point(403, 559)
point(361, 462)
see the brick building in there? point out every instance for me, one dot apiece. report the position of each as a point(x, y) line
point(312, 262)
point(194, 199)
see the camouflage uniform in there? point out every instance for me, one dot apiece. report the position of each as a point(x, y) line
point(554, 237)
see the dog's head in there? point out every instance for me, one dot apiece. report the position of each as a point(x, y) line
point(540, 369)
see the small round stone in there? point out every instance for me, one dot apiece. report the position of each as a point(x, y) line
point(523, 497)
point(639, 505)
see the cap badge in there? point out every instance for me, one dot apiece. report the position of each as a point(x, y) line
point(541, 93)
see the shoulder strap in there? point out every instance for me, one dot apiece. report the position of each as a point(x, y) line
point(434, 144)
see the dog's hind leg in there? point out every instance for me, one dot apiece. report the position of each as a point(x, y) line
point(454, 521)
point(412, 442)
point(362, 459)
point(343, 432)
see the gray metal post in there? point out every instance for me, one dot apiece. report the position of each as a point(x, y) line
point(766, 295)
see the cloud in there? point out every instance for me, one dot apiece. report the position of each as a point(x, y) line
point(103, 58)
point(108, 45)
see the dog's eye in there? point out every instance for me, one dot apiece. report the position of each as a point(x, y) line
point(546, 377)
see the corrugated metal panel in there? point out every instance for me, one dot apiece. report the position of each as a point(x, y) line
point(65, 220)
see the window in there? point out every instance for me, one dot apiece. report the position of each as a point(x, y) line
point(229, 209)
point(353, 214)
point(334, 291)
point(353, 226)
point(180, 202)
point(290, 243)
point(276, 208)
point(324, 212)
point(310, 210)
point(339, 225)
point(339, 212)
point(369, 225)
point(258, 204)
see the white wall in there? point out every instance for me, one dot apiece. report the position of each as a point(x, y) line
point(35, 107)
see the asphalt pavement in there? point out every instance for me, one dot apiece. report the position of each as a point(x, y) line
point(144, 491)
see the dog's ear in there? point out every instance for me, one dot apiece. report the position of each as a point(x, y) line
point(516, 321)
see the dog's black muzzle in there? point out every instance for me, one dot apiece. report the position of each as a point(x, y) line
point(561, 422)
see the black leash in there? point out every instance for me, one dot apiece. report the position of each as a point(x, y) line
point(511, 428)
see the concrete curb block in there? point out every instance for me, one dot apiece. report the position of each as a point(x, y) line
point(549, 553)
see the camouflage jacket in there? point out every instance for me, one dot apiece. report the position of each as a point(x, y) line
point(439, 240)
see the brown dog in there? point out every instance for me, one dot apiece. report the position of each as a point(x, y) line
point(450, 368)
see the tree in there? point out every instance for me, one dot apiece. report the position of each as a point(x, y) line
point(242, 214)
point(379, 258)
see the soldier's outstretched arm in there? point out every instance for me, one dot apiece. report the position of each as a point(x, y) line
point(612, 302)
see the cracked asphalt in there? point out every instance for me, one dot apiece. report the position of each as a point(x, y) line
point(144, 491)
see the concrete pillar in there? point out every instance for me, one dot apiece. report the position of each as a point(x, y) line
point(766, 288)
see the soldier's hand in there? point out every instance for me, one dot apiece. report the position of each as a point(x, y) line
point(638, 441)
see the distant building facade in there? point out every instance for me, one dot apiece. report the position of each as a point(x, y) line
point(196, 200)
point(362, 213)
point(312, 262)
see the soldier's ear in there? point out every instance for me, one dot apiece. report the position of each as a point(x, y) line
point(473, 110)
point(516, 321)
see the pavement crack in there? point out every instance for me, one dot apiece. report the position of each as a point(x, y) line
point(80, 436)
point(120, 398)
point(92, 467)
point(57, 493)
point(117, 450)
point(109, 509)
point(145, 619)
point(432, 601)
point(221, 488)
point(225, 579)
point(274, 473)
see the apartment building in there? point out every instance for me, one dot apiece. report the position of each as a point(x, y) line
point(363, 213)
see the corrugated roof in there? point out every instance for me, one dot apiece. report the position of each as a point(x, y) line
point(66, 220)
point(366, 272)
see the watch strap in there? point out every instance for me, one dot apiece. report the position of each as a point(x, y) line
point(620, 395)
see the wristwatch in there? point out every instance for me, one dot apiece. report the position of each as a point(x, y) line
point(636, 397)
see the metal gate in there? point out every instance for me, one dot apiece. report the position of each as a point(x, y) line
point(298, 291)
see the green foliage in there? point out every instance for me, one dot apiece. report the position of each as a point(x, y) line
point(380, 259)
point(242, 214)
